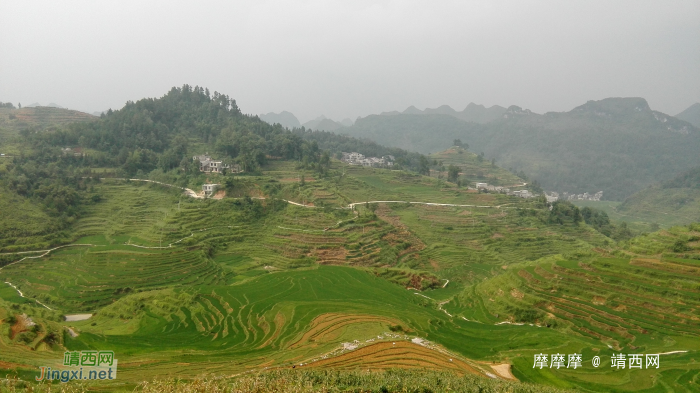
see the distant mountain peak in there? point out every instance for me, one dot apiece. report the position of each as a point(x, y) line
point(515, 110)
point(412, 110)
point(615, 106)
point(691, 115)
point(441, 110)
point(474, 106)
point(286, 119)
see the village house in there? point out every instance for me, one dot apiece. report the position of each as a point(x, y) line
point(209, 165)
point(209, 189)
point(552, 197)
point(77, 152)
point(356, 158)
point(583, 197)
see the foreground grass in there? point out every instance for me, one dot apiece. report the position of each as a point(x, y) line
point(284, 381)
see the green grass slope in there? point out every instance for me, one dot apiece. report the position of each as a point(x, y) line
point(475, 168)
point(675, 201)
point(235, 288)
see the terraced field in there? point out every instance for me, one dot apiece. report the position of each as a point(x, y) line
point(40, 116)
point(475, 170)
point(401, 354)
point(181, 286)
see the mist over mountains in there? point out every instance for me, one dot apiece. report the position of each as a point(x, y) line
point(617, 145)
point(472, 113)
point(691, 114)
point(286, 119)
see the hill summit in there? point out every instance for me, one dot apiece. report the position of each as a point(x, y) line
point(617, 145)
point(691, 114)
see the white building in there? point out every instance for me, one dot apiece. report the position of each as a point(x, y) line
point(355, 158)
point(210, 189)
point(209, 165)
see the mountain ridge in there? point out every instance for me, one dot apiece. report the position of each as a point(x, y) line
point(618, 145)
point(691, 114)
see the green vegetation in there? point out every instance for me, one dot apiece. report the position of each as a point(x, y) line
point(458, 281)
point(470, 168)
point(298, 381)
point(617, 145)
point(672, 202)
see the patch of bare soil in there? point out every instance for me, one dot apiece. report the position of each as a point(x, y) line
point(9, 366)
point(328, 256)
point(503, 370)
point(23, 323)
point(516, 294)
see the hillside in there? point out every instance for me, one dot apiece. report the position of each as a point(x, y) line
point(473, 168)
point(40, 116)
point(675, 201)
point(415, 132)
point(617, 145)
point(306, 264)
point(691, 114)
point(306, 283)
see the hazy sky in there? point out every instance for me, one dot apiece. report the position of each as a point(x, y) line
point(352, 58)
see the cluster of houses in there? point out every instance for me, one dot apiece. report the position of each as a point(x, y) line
point(565, 196)
point(210, 165)
point(505, 190)
point(355, 158)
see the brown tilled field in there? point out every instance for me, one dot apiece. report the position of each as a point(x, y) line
point(328, 327)
point(398, 354)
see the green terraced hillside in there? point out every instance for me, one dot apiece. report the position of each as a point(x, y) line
point(241, 284)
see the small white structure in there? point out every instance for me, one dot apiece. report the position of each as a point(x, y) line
point(481, 185)
point(356, 158)
point(552, 197)
point(210, 189)
point(209, 165)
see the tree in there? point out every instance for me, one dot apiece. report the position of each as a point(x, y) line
point(452, 173)
point(457, 142)
point(424, 166)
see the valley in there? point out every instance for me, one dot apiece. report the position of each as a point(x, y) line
point(308, 265)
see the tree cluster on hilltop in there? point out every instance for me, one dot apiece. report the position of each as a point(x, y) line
point(159, 133)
